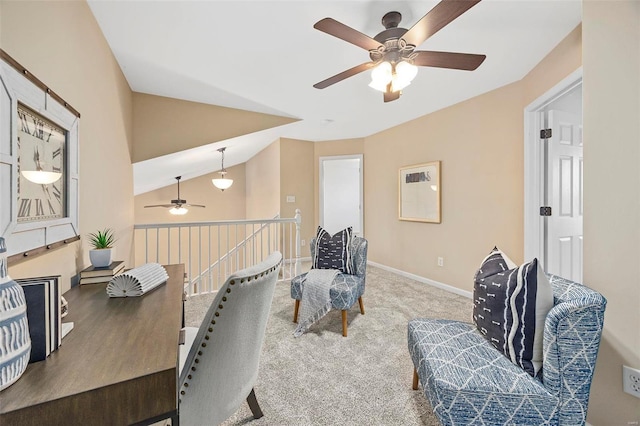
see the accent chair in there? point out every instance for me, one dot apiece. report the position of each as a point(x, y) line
point(219, 360)
point(346, 288)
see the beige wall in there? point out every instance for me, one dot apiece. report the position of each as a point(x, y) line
point(220, 205)
point(62, 45)
point(330, 149)
point(479, 144)
point(166, 125)
point(296, 178)
point(263, 183)
point(611, 85)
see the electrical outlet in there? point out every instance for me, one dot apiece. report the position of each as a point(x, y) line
point(440, 261)
point(631, 381)
point(302, 243)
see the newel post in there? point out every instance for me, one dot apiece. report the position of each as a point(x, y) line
point(298, 266)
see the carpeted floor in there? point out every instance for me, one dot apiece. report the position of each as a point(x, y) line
point(323, 378)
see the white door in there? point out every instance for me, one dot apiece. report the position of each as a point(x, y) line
point(564, 183)
point(341, 193)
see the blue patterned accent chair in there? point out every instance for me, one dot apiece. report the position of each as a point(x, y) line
point(469, 382)
point(346, 288)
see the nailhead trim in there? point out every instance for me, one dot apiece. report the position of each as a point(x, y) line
point(217, 314)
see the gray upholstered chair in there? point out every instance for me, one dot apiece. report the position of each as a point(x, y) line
point(219, 361)
point(346, 288)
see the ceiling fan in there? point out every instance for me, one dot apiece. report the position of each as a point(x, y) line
point(177, 206)
point(392, 52)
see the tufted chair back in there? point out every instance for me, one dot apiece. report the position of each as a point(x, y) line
point(221, 366)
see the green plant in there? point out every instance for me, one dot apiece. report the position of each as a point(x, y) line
point(102, 239)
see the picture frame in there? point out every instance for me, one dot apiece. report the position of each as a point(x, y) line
point(30, 220)
point(419, 193)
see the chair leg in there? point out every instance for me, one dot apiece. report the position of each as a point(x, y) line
point(415, 379)
point(295, 311)
point(344, 323)
point(253, 405)
point(361, 305)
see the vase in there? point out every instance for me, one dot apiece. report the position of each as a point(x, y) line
point(100, 258)
point(15, 342)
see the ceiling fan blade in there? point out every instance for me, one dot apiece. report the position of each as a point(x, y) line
point(193, 205)
point(391, 96)
point(344, 74)
point(437, 18)
point(458, 61)
point(161, 205)
point(348, 34)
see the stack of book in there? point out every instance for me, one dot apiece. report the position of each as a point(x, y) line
point(93, 275)
point(43, 315)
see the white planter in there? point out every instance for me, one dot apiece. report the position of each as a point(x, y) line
point(100, 258)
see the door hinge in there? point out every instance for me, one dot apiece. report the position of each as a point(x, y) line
point(545, 211)
point(545, 133)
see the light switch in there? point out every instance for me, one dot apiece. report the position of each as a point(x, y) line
point(291, 198)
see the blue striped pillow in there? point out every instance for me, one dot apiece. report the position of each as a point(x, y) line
point(333, 251)
point(510, 307)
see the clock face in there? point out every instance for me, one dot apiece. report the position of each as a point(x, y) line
point(41, 147)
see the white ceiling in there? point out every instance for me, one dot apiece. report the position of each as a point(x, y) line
point(265, 56)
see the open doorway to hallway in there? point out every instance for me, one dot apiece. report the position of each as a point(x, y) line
point(341, 193)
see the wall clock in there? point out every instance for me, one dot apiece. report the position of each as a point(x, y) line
point(41, 150)
point(38, 137)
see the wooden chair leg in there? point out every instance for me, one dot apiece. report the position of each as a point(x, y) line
point(295, 311)
point(344, 323)
point(415, 379)
point(361, 305)
point(253, 405)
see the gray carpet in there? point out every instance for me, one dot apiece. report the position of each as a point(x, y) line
point(323, 378)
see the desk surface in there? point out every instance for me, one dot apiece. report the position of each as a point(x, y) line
point(119, 364)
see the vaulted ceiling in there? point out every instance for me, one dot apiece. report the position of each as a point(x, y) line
point(265, 56)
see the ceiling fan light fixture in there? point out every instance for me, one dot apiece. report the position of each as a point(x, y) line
point(222, 182)
point(178, 210)
point(399, 75)
point(404, 75)
point(41, 176)
point(381, 76)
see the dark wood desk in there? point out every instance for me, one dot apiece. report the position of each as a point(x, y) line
point(118, 366)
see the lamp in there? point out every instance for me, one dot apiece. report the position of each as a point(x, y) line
point(399, 75)
point(222, 182)
point(179, 210)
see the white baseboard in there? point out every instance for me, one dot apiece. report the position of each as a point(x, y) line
point(424, 280)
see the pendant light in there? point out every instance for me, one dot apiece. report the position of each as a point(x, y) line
point(222, 182)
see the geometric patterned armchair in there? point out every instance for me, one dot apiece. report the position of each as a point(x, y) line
point(346, 288)
point(468, 381)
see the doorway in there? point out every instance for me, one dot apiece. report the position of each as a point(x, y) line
point(553, 179)
point(341, 193)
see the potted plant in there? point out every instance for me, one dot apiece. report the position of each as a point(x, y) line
point(102, 242)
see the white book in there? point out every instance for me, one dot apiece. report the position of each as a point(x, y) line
point(137, 281)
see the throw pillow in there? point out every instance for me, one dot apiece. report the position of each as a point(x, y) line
point(510, 307)
point(333, 251)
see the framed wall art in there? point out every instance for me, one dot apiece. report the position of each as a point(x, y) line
point(419, 193)
point(38, 164)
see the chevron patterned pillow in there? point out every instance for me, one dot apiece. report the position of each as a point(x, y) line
point(510, 307)
point(333, 251)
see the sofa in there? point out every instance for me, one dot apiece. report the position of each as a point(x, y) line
point(467, 381)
